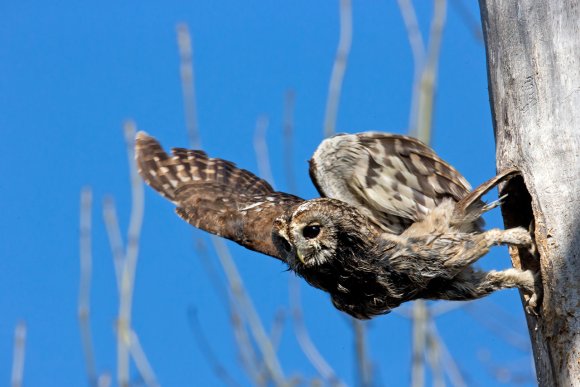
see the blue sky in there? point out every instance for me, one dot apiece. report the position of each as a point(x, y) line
point(71, 73)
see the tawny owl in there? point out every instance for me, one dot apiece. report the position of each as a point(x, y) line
point(395, 222)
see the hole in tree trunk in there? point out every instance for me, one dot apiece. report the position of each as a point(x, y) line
point(517, 212)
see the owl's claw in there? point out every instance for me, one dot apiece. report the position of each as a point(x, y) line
point(534, 295)
point(532, 248)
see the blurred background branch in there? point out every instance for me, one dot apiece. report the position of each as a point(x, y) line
point(84, 298)
point(186, 69)
point(18, 355)
point(339, 68)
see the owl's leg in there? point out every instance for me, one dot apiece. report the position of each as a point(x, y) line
point(517, 236)
point(476, 246)
point(471, 284)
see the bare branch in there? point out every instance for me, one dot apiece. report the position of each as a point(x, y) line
point(141, 362)
point(418, 49)
point(420, 317)
point(105, 380)
point(439, 308)
point(471, 21)
point(256, 326)
point(261, 148)
point(310, 351)
point(449, 365)
point(363, 362)
point(84, 298)
point(429, 73)
point(413, 33)
point(425, 64)
point(339, 67)
point(127, 340)
point(434, 357)
point(18, 355)
point(188, 84)
point(277, 328)
point(204, 345)
point(289, 139)
point(247, 353)
point(115, 238)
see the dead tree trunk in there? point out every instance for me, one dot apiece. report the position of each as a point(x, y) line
point(533, 63)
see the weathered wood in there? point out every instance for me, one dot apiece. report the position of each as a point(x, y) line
point(533, 62)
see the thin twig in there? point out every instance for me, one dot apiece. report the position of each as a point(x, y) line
point(275, 336)
point(413, 33)
point(434, 357)
point(246, 304)
point(105, 380)
point(115, 237)
point(261, 148)
point(288, 129)
point(277, 328)
point(212, 274)
point(339, 67)
point(418, 49)
point(125, 334)
point(472, 23)
point(449, 364)
point(440, 308)
point(420, 317)
point(188, 84)
point(426, 65)
point(310, 351)
point(141, 362)
point(204, 345)
point(247, 353)
point(84, 300)
point(362, 359)
point(428, 78)
point(18, 355)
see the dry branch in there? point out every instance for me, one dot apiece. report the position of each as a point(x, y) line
point(339, 68)
point(18, 355)
point(84, 300)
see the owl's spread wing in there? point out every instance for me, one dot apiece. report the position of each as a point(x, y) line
point(213, 194)
point(394, 179)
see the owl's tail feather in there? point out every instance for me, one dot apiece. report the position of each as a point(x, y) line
point(170, 174)
point(471, 207)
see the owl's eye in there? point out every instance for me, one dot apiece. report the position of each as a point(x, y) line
point(311, 231)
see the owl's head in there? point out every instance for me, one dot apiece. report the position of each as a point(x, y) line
point(316, 231)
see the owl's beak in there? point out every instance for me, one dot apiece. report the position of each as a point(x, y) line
point(300, 257)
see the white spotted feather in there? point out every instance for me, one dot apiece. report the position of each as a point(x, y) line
point(395, 180)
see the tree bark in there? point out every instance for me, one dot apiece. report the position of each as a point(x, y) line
point(533, 64)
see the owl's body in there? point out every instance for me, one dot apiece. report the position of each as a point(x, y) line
point(395, 222)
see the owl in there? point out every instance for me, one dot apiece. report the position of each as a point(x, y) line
point(394, 222)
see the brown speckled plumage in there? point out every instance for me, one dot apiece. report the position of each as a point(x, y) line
point(395, 222)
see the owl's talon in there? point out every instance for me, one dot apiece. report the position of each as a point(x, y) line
point(533, 249)
point(534, 295)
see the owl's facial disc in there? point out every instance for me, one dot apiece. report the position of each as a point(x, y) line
point(307, 237)
point(309, 232)
point(312, 232)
